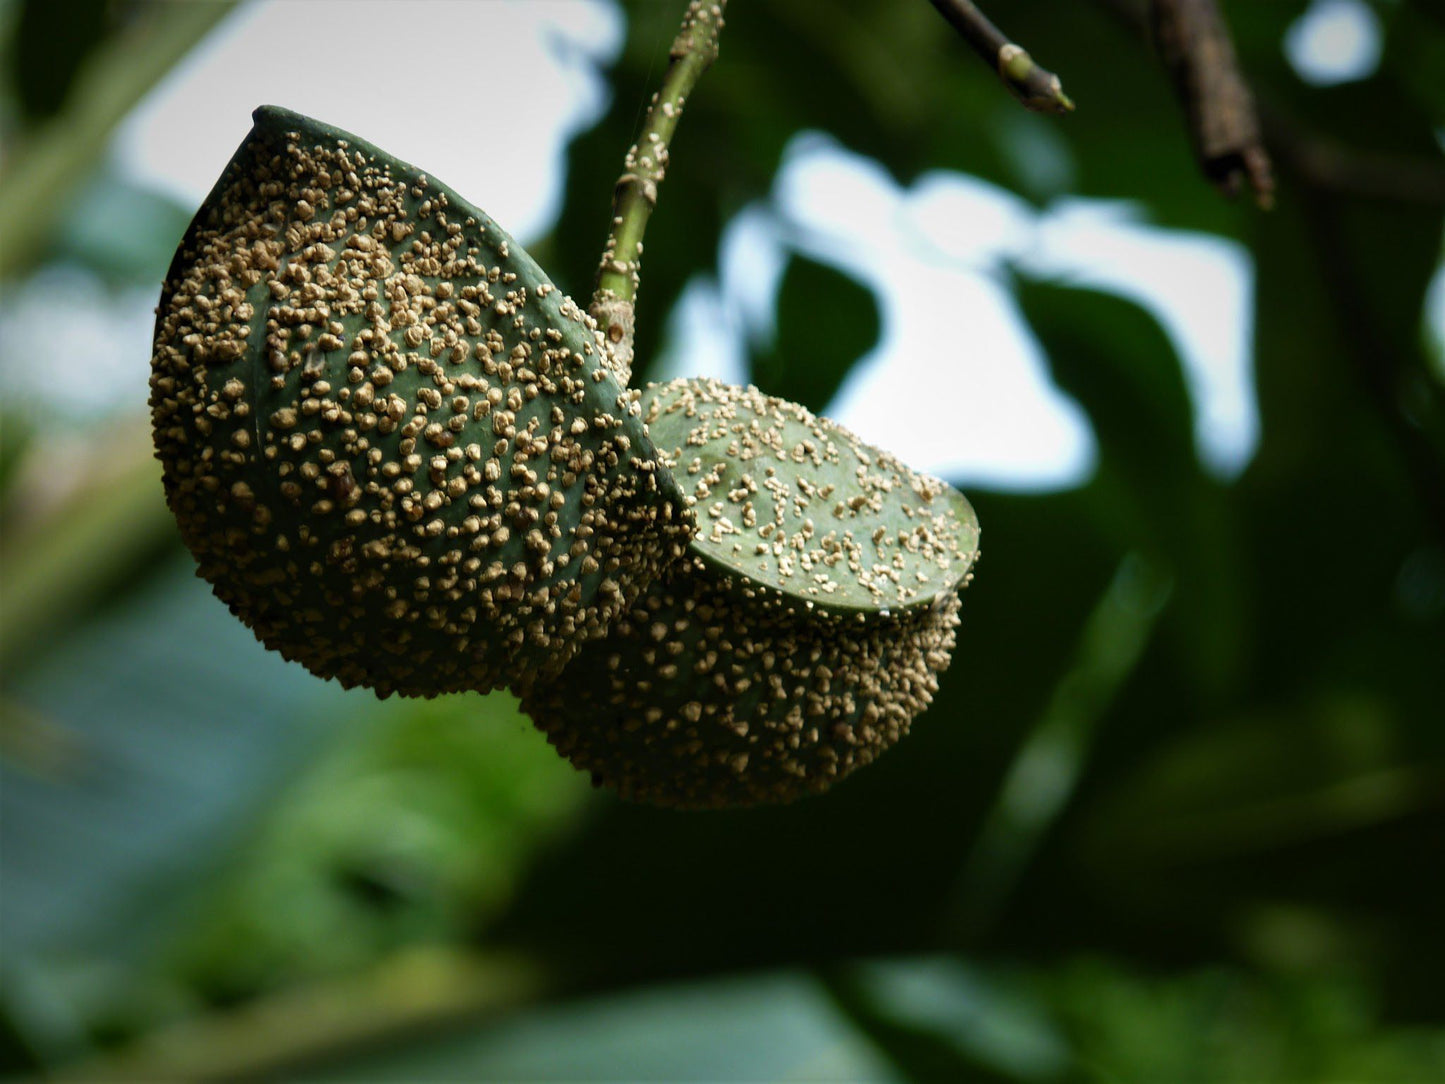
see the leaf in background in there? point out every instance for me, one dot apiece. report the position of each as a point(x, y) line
point(142, 747)
point(84, 521)
point(123, 232)
point(172, 730)
point(1345, 385)
point(1296, 568)
point(285, 1035)
point(16, 432)
point(48, 47)
point(1260, 784)
point(1084, 1019)
point(1341, 267)
point(1114, 358)
point(59, 155)
point(1041, 781)
point(938, 1019)
point(1348, 487)
point(826, 321)
point(1415, 45)
point(1223, 1024)
point(758, 1028)
point(415, 831)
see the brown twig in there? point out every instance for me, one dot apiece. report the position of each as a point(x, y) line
point(1038, 89)
point(1194, 42)
point(1323, 162)
point(1327, 170)
point(1332, 166)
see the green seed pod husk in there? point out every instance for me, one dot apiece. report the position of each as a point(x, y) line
point(389, 440)
point(799, 638)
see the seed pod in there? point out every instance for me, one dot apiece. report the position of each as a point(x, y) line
point(801, 635)
point(388, 438)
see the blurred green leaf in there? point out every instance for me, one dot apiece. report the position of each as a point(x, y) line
point(56, 157)
point(16, 431)
point(123, 232)
point(1116, 360)
point(1415, 47)
point(418, 989)
point(169, 730)
point(937, 1019)
point(1150, 493)
point(764, 1028)
point(1042, 778)
point(47, 49)
point(826, 321)
point(919, 1019)
point(414, 831)
point(1341, 281)
point(1221, 1024)
point(1262, 783)
point(103, 522)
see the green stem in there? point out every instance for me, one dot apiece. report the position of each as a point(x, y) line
point(614, 301)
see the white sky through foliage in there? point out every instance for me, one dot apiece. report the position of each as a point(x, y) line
point(1334, 41)
point(956, 386)
point(483, 95)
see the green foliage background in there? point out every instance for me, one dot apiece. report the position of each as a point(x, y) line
point(1176, 813)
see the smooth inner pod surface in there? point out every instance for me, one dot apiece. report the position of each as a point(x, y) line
point(388, 438)
point(802, 634)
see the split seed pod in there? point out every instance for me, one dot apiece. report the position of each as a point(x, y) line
point(390, 441)
point(801, 635)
